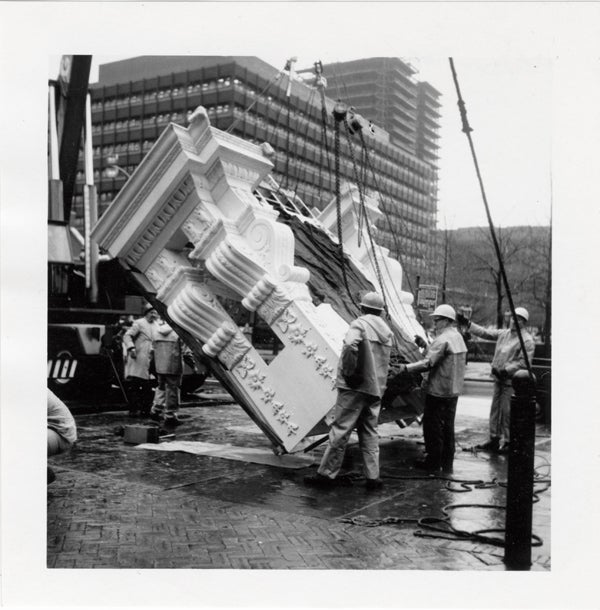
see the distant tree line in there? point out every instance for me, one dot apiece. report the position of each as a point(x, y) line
point(467, 272)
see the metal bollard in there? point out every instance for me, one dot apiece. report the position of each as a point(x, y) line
point(519, 493)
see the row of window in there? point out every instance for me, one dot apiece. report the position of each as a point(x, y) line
point(225, 82)
point(309, 173)
point(167, 93)
point(155, 119)
point(105, 173)
point(378, 162)
point(103, 198)
point(123, 147)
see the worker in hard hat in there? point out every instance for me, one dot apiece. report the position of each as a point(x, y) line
point(508, 359)
point(444, 362)
point(361, 381)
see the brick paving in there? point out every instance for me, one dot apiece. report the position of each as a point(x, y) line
point(115, 506)
point(95, 522)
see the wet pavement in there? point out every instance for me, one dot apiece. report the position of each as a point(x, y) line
point(115, 505)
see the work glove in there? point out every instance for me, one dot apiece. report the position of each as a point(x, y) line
point(499, 373)
point(402, 370)
point(462, 320)
point(420, 342)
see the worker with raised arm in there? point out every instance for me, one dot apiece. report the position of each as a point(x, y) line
point(508, 359)
point(444, 364)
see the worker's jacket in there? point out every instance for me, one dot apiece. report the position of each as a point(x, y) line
point(168, 351)
point(365, 360)
point(445, 361)
point(139, 335)
point(508, 356)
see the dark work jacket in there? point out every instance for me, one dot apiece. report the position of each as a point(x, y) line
point(369, 338)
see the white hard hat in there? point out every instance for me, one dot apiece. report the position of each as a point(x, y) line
point(444, 311)
point(522, 313)
point(372, 300)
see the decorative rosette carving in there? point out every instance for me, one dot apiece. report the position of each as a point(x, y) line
point(297, 334)
point(285, 320)
point(310, 349)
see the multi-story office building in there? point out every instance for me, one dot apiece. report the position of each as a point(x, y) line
point(136, 98)
point(385, 90)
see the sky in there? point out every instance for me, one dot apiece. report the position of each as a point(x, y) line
point(509, 106)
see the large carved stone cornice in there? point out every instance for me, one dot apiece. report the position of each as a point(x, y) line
point(196, 186)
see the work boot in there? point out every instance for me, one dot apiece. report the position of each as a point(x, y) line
point(492, 445)
point(172, 422)
point(503, 449)
point(373, 483)
point(155, 416)
point(318, 480)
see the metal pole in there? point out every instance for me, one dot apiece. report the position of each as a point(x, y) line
point(90, 208)
point(55, 190)
point(519, 493)
point(54, 170)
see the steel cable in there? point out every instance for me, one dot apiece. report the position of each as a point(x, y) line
point(338, 206)
point(466, 128)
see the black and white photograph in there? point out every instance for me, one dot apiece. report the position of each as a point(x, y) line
point(312, 285)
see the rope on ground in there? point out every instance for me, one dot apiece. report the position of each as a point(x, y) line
point(441, 526)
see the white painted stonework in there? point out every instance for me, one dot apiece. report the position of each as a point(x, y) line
point(372, 259)
point(196, 185)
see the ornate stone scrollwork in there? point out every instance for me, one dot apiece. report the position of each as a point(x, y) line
point(233, 264)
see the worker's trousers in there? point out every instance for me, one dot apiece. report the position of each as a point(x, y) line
point(500, 412)
point(166, 395)
point(438, 431)
point(353, 410)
